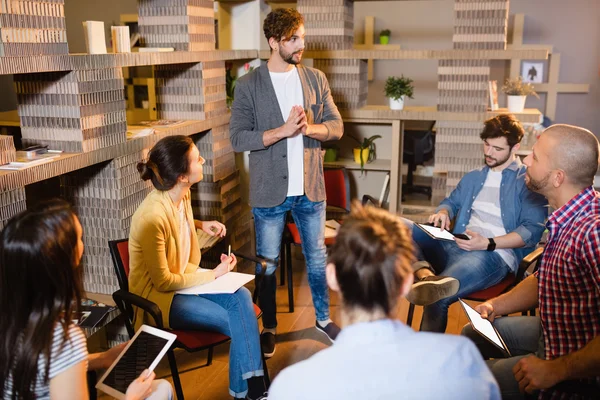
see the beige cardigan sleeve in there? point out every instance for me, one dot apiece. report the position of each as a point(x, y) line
point(152, 241)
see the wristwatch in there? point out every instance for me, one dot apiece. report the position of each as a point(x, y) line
point(491, 245)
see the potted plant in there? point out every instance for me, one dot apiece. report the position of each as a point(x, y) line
point(384, 36)
point(397, 89)
point(230, 80)
point(331, 152)
point(365, 152)
point(516, 92)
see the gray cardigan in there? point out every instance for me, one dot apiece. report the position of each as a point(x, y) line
point(256, 110)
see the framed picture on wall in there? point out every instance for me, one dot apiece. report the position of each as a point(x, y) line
point(532, 72)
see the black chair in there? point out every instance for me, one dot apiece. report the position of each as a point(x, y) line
point(190, 341)
point(419, 146)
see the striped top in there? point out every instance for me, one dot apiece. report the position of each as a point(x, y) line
point(64, 355)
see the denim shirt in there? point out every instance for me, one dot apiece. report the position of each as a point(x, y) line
point(523, 211)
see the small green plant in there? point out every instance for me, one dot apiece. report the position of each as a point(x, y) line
point(230, 80)
point(385, 32)
point(396, 87)
point(366, 143)
point(516, 87)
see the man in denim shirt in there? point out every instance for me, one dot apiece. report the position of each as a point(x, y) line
point(493, 207)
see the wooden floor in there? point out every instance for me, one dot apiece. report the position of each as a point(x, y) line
point(297, 339)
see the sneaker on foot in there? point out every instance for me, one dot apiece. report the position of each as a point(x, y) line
point(267, 344)
point(331, 330)
point(431, 289)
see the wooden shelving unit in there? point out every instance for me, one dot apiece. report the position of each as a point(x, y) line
point(76, 62)
point(69, 162)
point(536, 54)
point(431, 114)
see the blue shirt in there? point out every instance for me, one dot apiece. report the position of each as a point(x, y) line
point(386, 359)
point(523, 211)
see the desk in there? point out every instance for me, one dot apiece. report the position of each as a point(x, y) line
point(392, 165)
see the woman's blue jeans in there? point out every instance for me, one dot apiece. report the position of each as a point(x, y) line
point(232, 315)
point(269, 222)
point(475, 270)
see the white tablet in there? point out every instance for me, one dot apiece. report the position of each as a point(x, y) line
point(436, 233)
point(484, 327)
point(143, 351)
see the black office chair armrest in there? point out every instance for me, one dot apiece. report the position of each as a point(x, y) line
point(258, 260)
point(528, 260)
point(368, 198)
point(259, 277)
point(123, 298)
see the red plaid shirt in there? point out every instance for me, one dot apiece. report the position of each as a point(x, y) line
point(569, 279)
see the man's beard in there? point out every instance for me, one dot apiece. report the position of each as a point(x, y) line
point(539, 185)
point(289, 57)
point(496, 161)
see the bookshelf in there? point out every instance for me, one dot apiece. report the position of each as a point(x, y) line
point(110, 165)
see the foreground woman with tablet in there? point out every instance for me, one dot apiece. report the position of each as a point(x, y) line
point(43, 354)
point(164, 257)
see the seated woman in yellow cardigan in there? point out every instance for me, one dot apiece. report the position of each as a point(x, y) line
point(164, 256)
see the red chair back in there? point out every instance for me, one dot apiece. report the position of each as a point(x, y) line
point(119, 252)
point(123, 248)
point(337, 188)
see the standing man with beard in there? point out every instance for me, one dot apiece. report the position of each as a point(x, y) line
point(281, 113)
point(503, 219)
point(556, 354)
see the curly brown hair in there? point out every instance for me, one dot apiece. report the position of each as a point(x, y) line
point(503, 125)
point(281, 24)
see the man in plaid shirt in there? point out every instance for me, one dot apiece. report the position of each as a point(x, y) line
point(555, 355)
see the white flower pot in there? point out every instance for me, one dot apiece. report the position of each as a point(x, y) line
point(516, 104)
point(397, 104)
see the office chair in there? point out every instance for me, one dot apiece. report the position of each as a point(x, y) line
point(191, 341)
point(419, 146)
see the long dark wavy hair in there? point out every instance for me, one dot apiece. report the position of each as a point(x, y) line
point(40, 286)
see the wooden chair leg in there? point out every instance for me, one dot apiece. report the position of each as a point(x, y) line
point(411, 312)
point(288, 256)
point(175, 374)
point(210, 356)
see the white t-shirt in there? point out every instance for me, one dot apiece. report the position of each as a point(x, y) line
point(289, 93)
point(185, 244)
point(486, 215)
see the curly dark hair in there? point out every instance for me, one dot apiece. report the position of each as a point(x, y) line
point(282, 23)
point(503, 125)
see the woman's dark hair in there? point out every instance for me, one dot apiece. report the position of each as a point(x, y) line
point(503, 125)
point(372, 254)
point(167, 161)
point(40, 286)
point(282, 23)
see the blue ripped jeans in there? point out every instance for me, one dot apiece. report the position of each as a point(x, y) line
point(232, 315)
point(269, 222)
point(475, 270)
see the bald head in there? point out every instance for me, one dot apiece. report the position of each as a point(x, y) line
point(575, 150)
